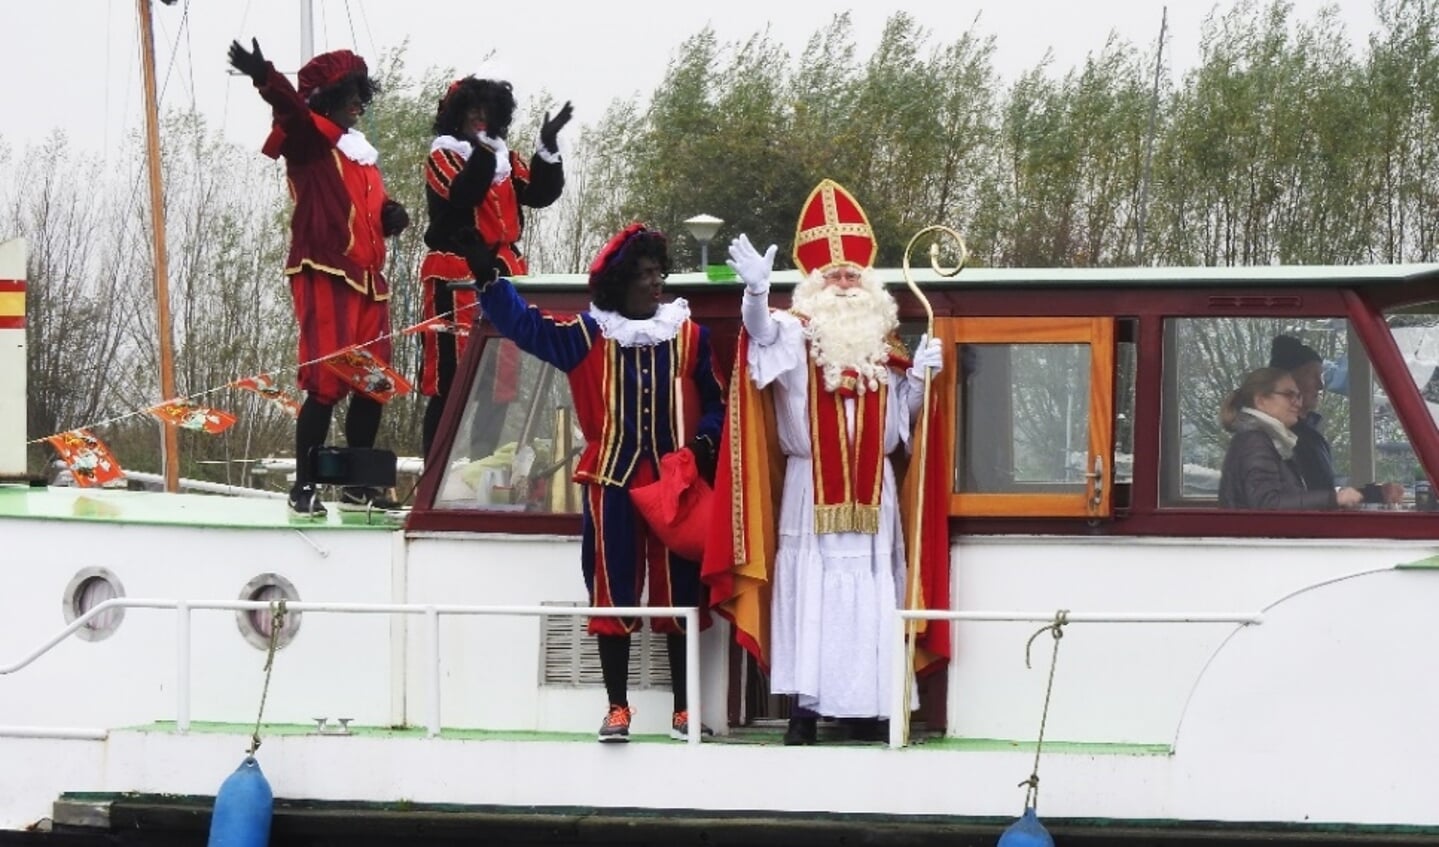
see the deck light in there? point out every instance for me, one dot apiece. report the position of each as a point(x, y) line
point(703, 228)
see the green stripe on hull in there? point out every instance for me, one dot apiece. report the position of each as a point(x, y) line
point(187, 510)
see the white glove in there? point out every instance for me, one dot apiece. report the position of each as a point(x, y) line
point(750, 266)
point(929, 354)
point(502, 156)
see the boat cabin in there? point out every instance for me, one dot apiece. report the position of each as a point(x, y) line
point(1086, 400)
point(1085, 428)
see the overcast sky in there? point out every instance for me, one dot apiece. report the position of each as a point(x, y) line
point(73, 64)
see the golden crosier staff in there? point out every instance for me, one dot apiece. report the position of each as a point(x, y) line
point(911, 625)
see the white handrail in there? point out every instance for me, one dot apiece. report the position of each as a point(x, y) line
point(900, 674)
point(431, 611)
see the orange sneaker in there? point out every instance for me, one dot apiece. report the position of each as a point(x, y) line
point(680, 727)
point(616, 727)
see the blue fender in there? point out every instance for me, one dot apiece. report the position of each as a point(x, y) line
point(243, 808)
point(1026, 832)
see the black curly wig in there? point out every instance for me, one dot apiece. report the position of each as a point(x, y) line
point(611, 283)
point(334, 97)
point(495, 97)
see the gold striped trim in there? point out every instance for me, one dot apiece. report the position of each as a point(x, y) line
point(846, 517)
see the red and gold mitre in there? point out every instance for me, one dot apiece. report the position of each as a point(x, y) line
point(833, 230)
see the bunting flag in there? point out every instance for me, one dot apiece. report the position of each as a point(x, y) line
point(187, 414)
point(439, 323)
point(88, 458)
point(94, 464)
point(368, 373)
point(264, 385)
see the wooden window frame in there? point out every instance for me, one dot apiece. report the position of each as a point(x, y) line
point(1097, 333)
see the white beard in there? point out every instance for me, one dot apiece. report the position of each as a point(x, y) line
point(848, 330)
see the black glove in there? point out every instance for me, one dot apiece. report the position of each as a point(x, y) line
point(703, 446)
point(393, 218)
point(550, 129)
point(253, 65)
point(481, 260)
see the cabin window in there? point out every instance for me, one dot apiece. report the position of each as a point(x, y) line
point(1416, 332)
point(1207, 358)
point(518, 440)
point(1126, 361)
point(1033, 419)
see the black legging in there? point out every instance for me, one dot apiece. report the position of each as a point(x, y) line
point(615, 666)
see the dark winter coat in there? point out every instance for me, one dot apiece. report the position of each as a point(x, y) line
point(1257, 476)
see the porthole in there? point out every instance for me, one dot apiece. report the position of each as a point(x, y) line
point(256, 625)
point(87, 589)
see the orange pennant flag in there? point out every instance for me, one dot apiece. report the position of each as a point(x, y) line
point(368, 373)
point(264, 385)
point(88, 458)
point(186, 414)
point(438, 323)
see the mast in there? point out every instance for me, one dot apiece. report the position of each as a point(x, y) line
point(1149, 142)
point(171, 449)
point(307, 31)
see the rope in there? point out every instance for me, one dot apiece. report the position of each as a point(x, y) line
point(215, 390)
point(277, 623)
point(1056, 629)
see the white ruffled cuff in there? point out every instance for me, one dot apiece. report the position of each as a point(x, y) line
point(502, 157)
point(782, 353)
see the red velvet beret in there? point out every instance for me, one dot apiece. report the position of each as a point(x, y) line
point(611, 251)
point(327, 69)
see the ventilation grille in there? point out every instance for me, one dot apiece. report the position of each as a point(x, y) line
point(571, 657)
point(1255, 301)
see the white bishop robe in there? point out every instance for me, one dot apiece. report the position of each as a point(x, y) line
point(834, 596)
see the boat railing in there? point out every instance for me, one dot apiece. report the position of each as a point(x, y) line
point(899, 664)
point(431, 612)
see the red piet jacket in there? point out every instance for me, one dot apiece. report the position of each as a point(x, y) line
point(335, 227)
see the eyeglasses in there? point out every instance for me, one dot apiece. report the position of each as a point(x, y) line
point(837, 274)
point(1291, 395)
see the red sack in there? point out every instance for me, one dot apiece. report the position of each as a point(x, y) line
point(677, 505)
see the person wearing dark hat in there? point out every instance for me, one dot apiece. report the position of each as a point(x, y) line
point(475, 186)
point(1312, 453)
point(635, 362)
point(341, 219)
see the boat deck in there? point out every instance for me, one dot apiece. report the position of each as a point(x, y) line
point(191, 510)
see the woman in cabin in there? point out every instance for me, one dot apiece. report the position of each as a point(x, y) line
point(631, 359)
point(337, 245)
point(1259, 470)
point(475, 186)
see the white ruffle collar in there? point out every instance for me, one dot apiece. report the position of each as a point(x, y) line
point(458, 146)
point(463, 149)
point(357, 148)
point(628, 332)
